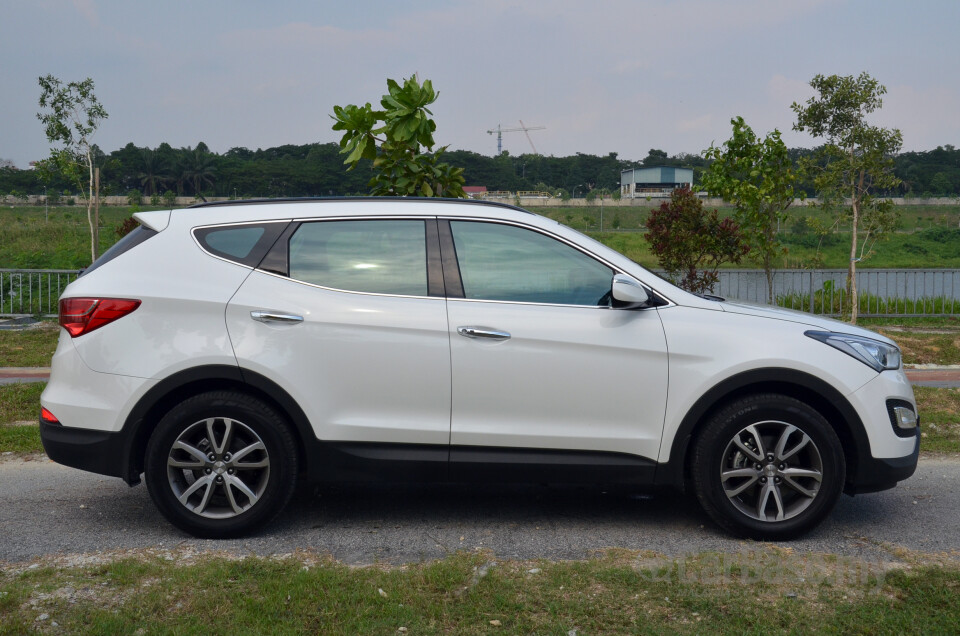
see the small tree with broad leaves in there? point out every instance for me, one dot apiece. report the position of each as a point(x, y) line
point(757, 176)
point(691, 243)
point(399, 141)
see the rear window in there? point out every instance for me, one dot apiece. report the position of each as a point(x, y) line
point(371, 256)
point(127, 243)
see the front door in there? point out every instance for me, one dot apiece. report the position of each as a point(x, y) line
point(539, 358)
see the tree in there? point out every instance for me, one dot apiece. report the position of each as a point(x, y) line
point(757, 176)
point(401, 165)
point(153, 171)
point(198, 169)
point(856, 160)
point(694, 242)
point(70, 116)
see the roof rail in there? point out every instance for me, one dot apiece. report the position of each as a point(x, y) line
point(213, 204)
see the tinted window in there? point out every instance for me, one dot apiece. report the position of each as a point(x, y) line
point(244, 244)
point(235, 241)
point(382, 257)
point(137, 236)
point(504, 262)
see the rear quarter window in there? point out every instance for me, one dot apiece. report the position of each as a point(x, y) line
point(242, 244)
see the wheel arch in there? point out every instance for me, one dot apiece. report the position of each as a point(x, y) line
point(145, 416)
point(805, 387)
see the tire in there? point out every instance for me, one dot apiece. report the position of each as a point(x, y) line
point(221, 464)
point(768, 467)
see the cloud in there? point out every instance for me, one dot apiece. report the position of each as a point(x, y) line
point(927, 117)
point(786, 90)
point(87, 10)
point(701, 123)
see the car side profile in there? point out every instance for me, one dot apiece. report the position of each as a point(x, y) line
point(229, 351)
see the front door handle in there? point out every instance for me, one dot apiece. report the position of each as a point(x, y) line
point(271, 316)
point(483, 332)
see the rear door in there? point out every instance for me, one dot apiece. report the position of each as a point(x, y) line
point(352, 323)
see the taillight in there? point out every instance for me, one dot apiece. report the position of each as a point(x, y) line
point(82, 315)
point(47, 416)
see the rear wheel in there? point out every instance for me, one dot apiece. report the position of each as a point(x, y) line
point(221, 464)
point(768, 467)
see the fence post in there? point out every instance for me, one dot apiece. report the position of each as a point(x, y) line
point(812, 307)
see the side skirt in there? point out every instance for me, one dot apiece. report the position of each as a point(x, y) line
point(359, 461)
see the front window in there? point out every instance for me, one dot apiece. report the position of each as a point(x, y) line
point(509, 263)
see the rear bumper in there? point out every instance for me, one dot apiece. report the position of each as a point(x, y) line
point(876, 474)
point(91, 450)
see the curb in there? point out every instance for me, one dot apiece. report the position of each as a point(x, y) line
point(25, 372)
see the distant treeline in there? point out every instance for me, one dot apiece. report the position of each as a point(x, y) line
point(318, 170)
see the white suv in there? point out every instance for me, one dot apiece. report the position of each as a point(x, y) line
point(229, 350)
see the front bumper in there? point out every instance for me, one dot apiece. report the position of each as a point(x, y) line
point(876, 474)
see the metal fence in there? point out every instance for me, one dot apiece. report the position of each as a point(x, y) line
point(882, 292)
point(33, 292)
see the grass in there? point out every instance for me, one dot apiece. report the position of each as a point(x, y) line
point(29, 347)
point(940, 418)
point(930, 248)
point(62, 242)
point(21, 440)
point(767, 592)
point(20, 403)
point(924, 347)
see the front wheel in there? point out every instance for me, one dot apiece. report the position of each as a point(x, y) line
point(221, 464)
point(768, 467)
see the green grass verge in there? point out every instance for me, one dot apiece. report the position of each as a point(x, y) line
point(465, 594)
point(939, 419)
point(20, 403)
point(29, 347)
point(57, 239)
point(21, 440)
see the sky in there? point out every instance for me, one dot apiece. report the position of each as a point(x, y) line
point(605, 76)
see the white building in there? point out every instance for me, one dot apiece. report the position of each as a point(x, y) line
point(654, 181)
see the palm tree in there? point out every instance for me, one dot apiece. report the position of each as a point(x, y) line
point(154, 171)
point(198, 169)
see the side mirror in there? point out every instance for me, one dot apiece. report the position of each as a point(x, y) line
point(628, 293)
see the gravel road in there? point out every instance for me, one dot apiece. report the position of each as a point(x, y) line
point(50, 509)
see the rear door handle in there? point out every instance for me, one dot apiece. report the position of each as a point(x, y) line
point(271, 316)
point(483, 332)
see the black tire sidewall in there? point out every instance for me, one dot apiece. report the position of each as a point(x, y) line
point(716, 435)
point(263, 421)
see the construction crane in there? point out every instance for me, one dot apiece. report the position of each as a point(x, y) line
point(522, 127)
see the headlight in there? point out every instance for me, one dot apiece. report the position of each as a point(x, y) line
point(873, 353)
